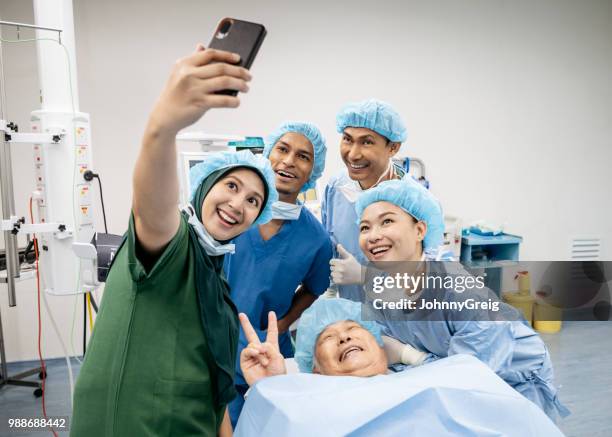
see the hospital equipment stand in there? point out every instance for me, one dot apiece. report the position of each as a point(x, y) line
point(11, 253)
point(17, 379)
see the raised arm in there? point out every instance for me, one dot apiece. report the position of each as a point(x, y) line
point(188, 94)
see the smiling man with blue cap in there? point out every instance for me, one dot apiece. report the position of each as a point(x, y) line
point(372, 133)
point(289, 253)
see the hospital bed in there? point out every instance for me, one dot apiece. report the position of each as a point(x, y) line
point(457, 396)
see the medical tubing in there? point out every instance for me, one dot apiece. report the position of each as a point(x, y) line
point(56, 328)
point(90, 312)
point(88, 176)
point(42, 361)
point(74, 311)
point(93, 302)
point(102, 202)
point(63, 345)
point(84, 323)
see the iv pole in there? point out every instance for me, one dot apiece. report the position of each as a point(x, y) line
point(10, 238)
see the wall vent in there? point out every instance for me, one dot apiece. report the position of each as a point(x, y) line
point(585, 249)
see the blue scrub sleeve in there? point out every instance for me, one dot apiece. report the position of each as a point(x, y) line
point(317, 278)
point(492, 342)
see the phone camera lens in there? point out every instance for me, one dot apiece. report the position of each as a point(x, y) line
point(224, 28)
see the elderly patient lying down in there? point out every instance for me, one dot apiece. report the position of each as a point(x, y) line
point(351, 392)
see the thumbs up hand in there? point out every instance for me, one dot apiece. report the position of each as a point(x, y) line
point(346, 269)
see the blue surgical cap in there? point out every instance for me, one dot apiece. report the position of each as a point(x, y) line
point(322, 313)
point(315, 137)
point(244, 158)
point(413, 198)
point(374, 115)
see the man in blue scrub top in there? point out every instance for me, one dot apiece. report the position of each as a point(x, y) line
point(372, 133)
point(289, 253)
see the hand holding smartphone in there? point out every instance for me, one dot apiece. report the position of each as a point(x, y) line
point(196, 84)
point(241, 37)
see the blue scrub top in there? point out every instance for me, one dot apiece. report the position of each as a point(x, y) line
point(264, 275)
point(340, 220)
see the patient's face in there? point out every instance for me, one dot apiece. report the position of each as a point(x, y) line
point(346, 348)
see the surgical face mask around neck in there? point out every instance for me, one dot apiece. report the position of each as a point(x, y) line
point(286, 211)
point(211, 246)
point(352, 190)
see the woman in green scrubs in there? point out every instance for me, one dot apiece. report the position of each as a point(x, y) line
point(161, 358)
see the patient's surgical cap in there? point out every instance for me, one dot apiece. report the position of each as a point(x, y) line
point(413, 198)
point(322, 313)
point(315, 137)
point(374, 115)
point(226, 160)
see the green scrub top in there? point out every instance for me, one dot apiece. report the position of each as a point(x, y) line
point(148, 370)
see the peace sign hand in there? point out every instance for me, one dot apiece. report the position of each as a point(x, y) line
point(260, 360)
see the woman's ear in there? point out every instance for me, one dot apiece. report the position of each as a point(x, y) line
point(421, 230)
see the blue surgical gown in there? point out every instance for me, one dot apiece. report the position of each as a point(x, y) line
point(340, 220)
point(264, 275)
point(508, 345)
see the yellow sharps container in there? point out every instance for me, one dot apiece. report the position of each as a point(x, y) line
point(520, 301)
point(546, 317)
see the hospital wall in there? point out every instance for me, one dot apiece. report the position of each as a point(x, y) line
point(509, 104)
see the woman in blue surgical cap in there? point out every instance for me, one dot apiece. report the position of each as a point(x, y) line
point(372, 132)
point(402, 221)
point(161, 358)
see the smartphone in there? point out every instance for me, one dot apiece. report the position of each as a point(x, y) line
point(240, 37)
